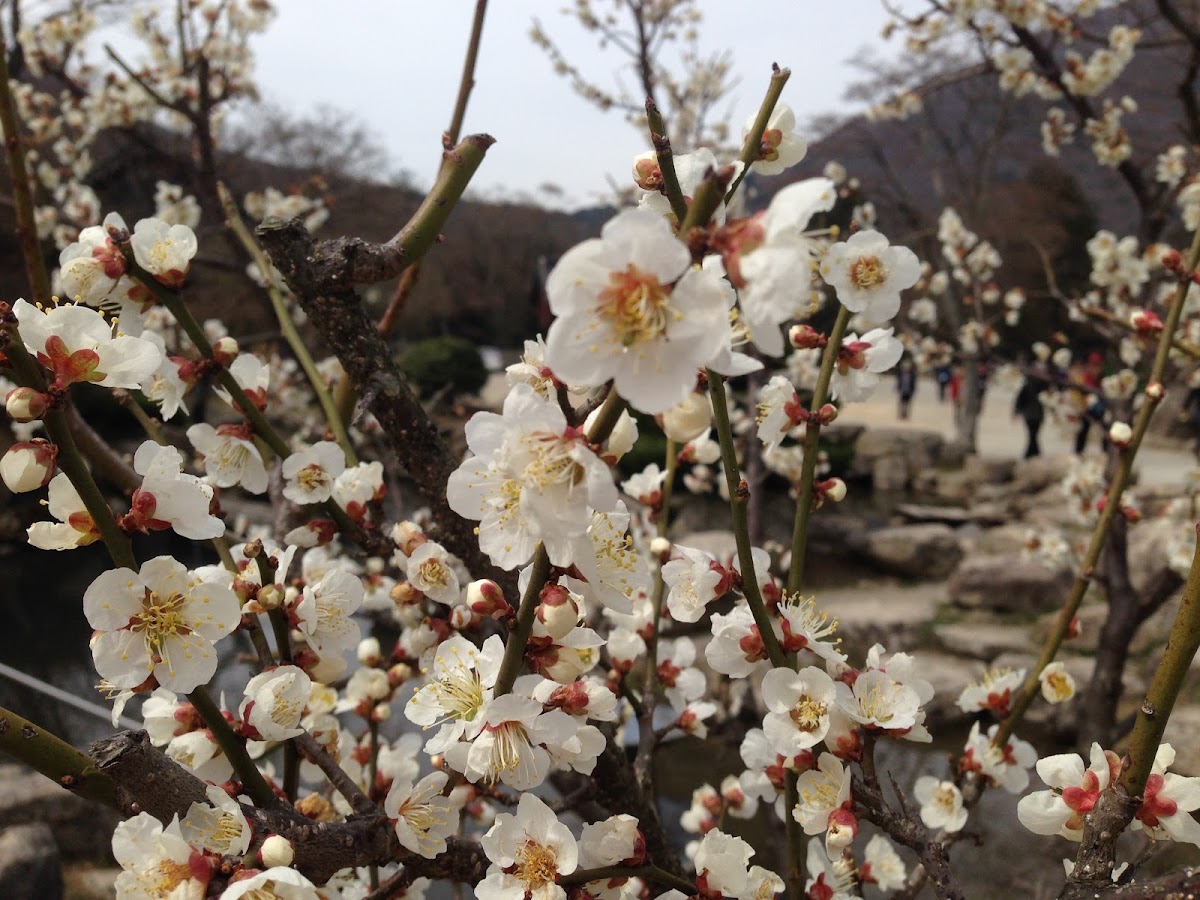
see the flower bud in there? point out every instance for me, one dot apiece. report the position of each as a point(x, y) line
point(270, 596)
point(1145, 322)
point(834, 489)
point(399, 674)
point(381, 713)
point(689, 419)
point(486, 598)
point(1155, 390)
point(557, 611)
point(461, 617)
point(660, 547)
point(276, 850)
point(1120, 434)
point(827, 414)
point(24, 404)
point(28, 465)
point(225, 350)
point(369, 652)
point(843, 826)
point(805, 337)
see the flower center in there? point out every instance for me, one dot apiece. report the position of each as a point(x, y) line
point(537, 864)
point(161, 617)
point(312, 477)
point(165, 877)
point(807, 713)
point(510, 748)
point(868, 272)
point(433, 573)
point(636, 306)
point(459, 692)
point(551, 461)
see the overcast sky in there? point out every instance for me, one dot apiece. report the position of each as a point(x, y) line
point(396, 63)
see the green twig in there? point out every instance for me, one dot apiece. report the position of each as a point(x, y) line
point(812, 449)
point(55, 758)
point(234, 749)
point(233, 221)
point(752, 145)
point(738, 493)
point(666, 161)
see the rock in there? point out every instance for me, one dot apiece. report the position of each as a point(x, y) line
point(907, 452)
point(955, 516)
point(950, 486)
point(1008, 538)
point(30, 868)
point(1148, 542)
point(982, 640)
point(1007, 583)
point(81, 828)
point(890, 473)
point(897, 617)
point(89, 882)
point(989, 469)
point(1037, 473)
point(916, 551)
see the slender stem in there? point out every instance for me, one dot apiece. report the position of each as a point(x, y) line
point(514, 648)
point(752, 146)
point(152, 427)
point(741, 527)
point(666, 160)
point(1120, 480)
point(234, 749)
point(342, 783)
point(1104, 315)
point(647, 737)
point(812, 449)
point(467, 82)
point(55, 758)
point(233, 221)
point(708, 198)
point(795, 837)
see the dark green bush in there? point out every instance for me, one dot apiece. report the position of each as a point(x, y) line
point(432, 364)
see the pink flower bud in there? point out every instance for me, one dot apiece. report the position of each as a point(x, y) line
point(834, 489)
point(827, 414)
point(1155, 391)
point(486, 598)
point(225, 350)
point(461, 617)
point(558, 611)
point(28, 465)
point(805, 337)
point(24, 404)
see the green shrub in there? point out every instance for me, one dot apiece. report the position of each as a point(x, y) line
point(432, 364)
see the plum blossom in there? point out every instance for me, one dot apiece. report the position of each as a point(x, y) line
point(230, 457)
point(631, 308)
point(797, 708)
point(169, 498)
point(824, 804)
point(311, 473)
point(779, 411)
point(28, 465)
point(459, 690)
point(509, 747)
point(941, 803)
point(528, 852)
point(532, 478)
point(781, 148)
point(165, 251)
point(430, 571)
point(993, 691)
point(1058, 685)
point(324, 612)
point(861, 361)
point(279, 883)
point(869, 274)
point(90, 268)
point(721, 863)
point(76, 344)
point(1007, 768)
point(1074, 791)
point(74, 528)
point(217, 826)
point(829, 878)
point(275, 701)
point(882, 865)
point(693, 581)
point(422, 817)
point(1168, 802)
point(154, 861)
point(160, 621)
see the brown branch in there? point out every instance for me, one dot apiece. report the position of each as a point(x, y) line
point(147, 780)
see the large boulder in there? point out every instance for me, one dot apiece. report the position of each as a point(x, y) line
point(892, 615)
point(983, 640)
point(30, 868)
point(892, 457)
point(928, 550)
point(1007, 583)
point(989, 469)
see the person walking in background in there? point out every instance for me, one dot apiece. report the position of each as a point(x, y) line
point(954, 389)
point(942, 374)
point(906, 385)
point(1028, 405)
point(1091, 405)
